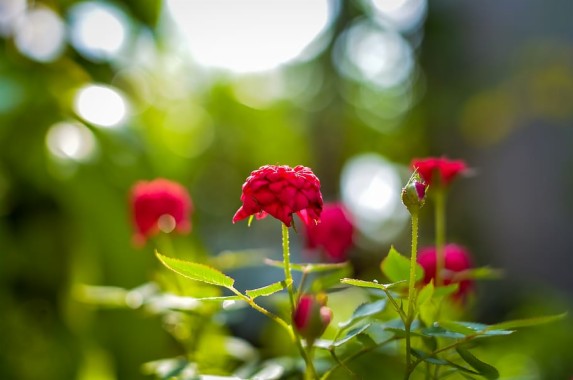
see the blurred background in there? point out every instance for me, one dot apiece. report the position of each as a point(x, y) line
point(95, 95)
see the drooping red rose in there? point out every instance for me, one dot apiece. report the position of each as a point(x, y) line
point(334, 233)
point(159, 205)
point(280, 191)
point(443, 169)
point(456, 259)
point(311, 316)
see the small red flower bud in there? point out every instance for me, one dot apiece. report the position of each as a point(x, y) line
point(280, 191)
point(445, 170)
point(456, 260)
point(414, 194)
point(334, 233)
point(159, 205)
point(311, 317)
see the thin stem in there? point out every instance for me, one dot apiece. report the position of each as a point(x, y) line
point(264, 311)
point(440, 220)
point(305, 353)
point(411, 292)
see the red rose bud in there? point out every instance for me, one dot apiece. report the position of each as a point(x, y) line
point(159, 205)
point(414, 193)
point(456, 260)
point(333, 234)
point(445, 170)
point(280, 191)
point(311, 317)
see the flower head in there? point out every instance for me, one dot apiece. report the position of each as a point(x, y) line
point(456, 260)
point(433, 167)
point(334, 233)
point(159, 205)
point(280, 191)
point(311, 316)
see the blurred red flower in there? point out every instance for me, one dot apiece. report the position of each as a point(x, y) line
point(280, 191)
point(159, 205)
point(334, 233)
point(456, 260)
point(311, 316)
point(446, 170)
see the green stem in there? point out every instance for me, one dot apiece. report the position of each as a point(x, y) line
point(305, 353)
point(355, 355)
point(264, 311)
point(411, 291)
point(440, 220)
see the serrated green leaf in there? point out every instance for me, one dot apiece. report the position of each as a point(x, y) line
point(221, 299)
point(397, 267)
point(269, 289)
point(363, 311)
point(309, 267)
point(472, 328)
point(486, 370)
point(517, 323)
point(195, 271)
point(369, 284)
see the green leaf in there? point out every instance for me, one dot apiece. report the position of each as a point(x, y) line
point(221, 299)
point(427, 358)
point(351, 334)
point(517, 323)
point(369, 284)
point(473, 328)
point(397, 267)
point(444, 291)
point(484, 369)
point(309, 267)
point(195, 271)
point(425, 294)
point(269, 289)
point(364, 310)
point(440, 332)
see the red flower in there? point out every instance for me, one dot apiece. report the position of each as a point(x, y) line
point(446, 170)
point(159, 205)
point(280, 191)
point(457, 259)
point(333, 233)
point(311, 317)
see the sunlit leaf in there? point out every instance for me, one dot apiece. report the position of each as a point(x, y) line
point(486, 370)
point(369, 284)
point(397, 267)
point(269, 289)
point(425, 294)
point(197, 272)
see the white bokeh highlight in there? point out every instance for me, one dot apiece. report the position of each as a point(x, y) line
point(71, 141)
point(249, 35)
point(370, 188)
point(101, 105)
point(39, 34)
point(98, 30)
